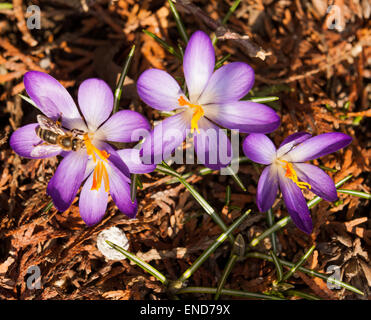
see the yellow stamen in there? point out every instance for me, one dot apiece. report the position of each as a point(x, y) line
point(100, 170)
point(92, 150)
point(291, 174)
point(198, 113)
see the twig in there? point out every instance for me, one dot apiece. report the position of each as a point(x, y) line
point(18, 12)
point(353, 52)
point(247, 45)
point(14, 52)
point(251, 48)
point(108, 20)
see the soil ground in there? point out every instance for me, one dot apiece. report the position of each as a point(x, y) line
point(315, 58)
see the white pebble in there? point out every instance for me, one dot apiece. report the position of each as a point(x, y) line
point(116, 236)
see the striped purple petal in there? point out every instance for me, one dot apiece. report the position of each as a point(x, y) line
point(267, 189)
point(131, 158)
point(259, 148)
point(295, 138)
point(246, 116)
point(318, 146)
point(116, 160)
point(27, 144)
point(96, 102)
point(212, 145)
point(291, 141)
point(90, 166)
point(53, 99)
point(123, 126)
point(67, 179)
point(295, 203)
point(92, 203)
point(321, 184)
point(229, 83)
point(159, 90)
point(166, 136)
point(120, 192)
point(198, 64)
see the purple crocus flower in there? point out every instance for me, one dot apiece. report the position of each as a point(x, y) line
point(286, 170)
point(105, 170)
point(214, 99)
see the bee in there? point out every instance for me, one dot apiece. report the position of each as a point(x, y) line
point(55, 137)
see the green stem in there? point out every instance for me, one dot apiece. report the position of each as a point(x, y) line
point(277, 226)
point(278, 265)
point(296, 293)
point(228, 268)
point(229, 292)
point(178, 21)
point(359, 194)
point(270, 219)
point(312, 273)
point(238, 251)
point(228, 195)
point(124, 72)
point(48, 207)
point(202, 258)
point(167, 47)
point(144, 265)
point(220, 62)
point(263, 99)
point(29, 100)
point(231, 10)
point(133, 187)
point(328, 169)
point(164, 168)
point(5, 6)
point(298, 264)
point(236, 178)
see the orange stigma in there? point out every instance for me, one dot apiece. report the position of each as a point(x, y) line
point(100, 171)
point(291, 174)
point(198, 113)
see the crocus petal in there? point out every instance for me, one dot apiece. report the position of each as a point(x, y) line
point(92, 203)
point(67, 179)
point(212, 145)
point(295, 203)
point(295, 138)
point(90, 166)
point(131, 158)
point(259, 148)
point(115, 160)
point(159, 90)
point(198, 64)
point(318, 146)
point(27, 144)
point(229, 83)
point(267, 188)
point(291, 141)
point(123, 126)
point(96, 102)
point(245, 116)
point(165, 138)
point(321, 184)
point(53, 99)
point(120, 192)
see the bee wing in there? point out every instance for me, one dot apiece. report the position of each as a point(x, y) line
point(44, 150)
point(49, 124)
point(78, 133)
